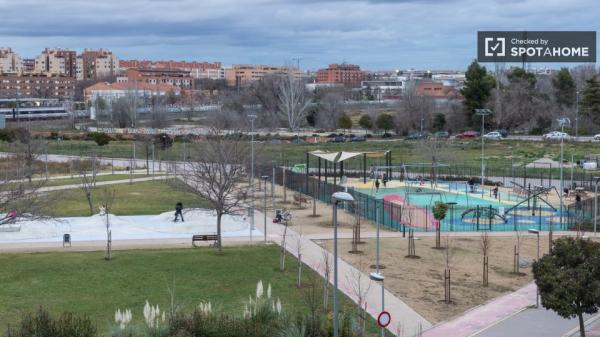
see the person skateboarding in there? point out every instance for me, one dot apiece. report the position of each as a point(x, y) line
point(179, 211)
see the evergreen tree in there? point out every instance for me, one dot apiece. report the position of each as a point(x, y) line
point(568, 278)
point(590, 102)
point(384, 122)
point(564, 88)
point(345, 122)
point(365, 122)
point(439, 121)
point(521, 75)
point(476, 92)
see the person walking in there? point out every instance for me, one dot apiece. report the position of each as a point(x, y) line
point(179, 211)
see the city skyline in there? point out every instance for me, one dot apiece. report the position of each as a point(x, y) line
point(376, 34)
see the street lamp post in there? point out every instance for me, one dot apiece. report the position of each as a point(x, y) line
point(265, 178)
point(537, 291)
point(577, 115)
point(336, 198)
point(562, 122)
point(377, 277)
point(252, 118)
point(483, 113)
point(596, 181)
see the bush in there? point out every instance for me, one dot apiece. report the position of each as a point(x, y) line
point(12, 135)
point(41, 324)
point(100, 138)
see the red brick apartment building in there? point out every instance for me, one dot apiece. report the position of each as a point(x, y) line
point(347, 74)
point(37, 86)
point(178, 78)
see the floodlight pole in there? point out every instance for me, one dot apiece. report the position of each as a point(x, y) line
point(562, 122)
point(596, 180)
point(483, 113)
point(252, 119)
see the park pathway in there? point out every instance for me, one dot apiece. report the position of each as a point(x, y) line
point(405, 321)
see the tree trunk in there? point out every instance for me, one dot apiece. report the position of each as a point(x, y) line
point(219, 238)
point(581, 325)
point(88, 195)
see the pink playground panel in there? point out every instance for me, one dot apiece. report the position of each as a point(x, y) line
point(411, 214)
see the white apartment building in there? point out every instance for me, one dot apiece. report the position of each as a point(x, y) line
point(10, 62)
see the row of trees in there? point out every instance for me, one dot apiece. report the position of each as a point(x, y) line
point(520, 98)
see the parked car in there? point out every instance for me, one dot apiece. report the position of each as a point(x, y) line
point(417, 135)
point(597, 137)
point(338, 139)
point(502, 132)
point(467, 134)
point(556, 135)
point(386, 135)
point(494, 135)
point(358, 139)
point(441, 134)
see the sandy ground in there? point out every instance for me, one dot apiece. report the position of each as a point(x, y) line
point(419, 282)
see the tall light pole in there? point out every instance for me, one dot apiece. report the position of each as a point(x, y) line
point(252, 118)
point(336, 198)
point(537, 290)
point(377, 277)
point(265, 178)
point(483, 113)
point(562, 122)
point(577, 115)
point(596, 181)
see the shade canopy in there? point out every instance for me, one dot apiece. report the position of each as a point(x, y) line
point(338, 157)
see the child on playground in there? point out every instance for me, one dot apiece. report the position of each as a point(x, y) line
point(377, 185)
point(495, 191)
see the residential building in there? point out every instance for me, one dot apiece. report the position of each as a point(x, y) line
point(347, 74)
point(56, 61)
point(36, 85)
point(436, 90)
point(178, 78)
point(196, 69)
point(390, 88)
point(113, 91)
point(28, 65)
point(241, 74)
point(96, 64)
point(10, 62)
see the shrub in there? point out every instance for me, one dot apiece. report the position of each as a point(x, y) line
point(100, 138)
point(41, 324)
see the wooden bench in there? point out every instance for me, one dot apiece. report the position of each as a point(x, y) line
point(205, 237)
point(299, 200)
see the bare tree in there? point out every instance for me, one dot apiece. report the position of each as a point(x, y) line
point(299, 238)
point(108, 200)
point(326, 265)
point(88, 179)
point(158, 113)
point(17, 193)
point(293, 100)
point(216, 172)
point(356, 280)
point(330, 109)
point(485, 244)
point(283, 243)
point(517, 251)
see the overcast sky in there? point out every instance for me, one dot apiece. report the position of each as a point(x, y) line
point(377, 34)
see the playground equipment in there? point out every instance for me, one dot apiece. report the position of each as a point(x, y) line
point(483, 216)
point(299, 168)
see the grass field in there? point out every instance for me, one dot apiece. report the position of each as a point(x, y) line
point(467, 152)
point(149, 197)
point(100, 178)
point(84, 282)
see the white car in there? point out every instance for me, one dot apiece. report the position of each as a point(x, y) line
point(556, 135)
point(597, 137)
point(495, 135)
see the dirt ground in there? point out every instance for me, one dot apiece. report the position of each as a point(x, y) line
point(419, 281)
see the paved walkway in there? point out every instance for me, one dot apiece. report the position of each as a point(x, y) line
point(404, 318)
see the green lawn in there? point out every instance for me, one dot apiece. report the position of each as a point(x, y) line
point(148, 197)
point(84, 282)
point(73, 181)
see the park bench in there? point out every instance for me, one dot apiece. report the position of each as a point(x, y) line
point(299, 200)
point(205, 237)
